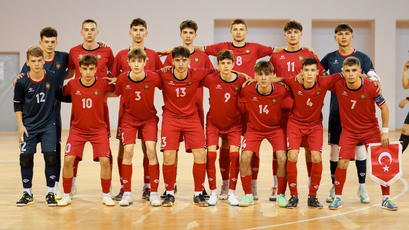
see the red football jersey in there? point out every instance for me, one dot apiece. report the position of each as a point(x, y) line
point(179, 96)
point(120, 64)
point(245, 57)
point(287, 64)
point(104, 55)
point(264, 111)
point(87, 113)
point(308, 102)
point(357, 107)
point(198, 60)
point(138, 96)
point(224, 110)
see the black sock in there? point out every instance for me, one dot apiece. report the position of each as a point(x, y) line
point(361, 170)
point(27, 177)
point(333, 167)
point(405, 141)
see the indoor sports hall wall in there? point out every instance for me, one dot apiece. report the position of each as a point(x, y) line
point(383, 39)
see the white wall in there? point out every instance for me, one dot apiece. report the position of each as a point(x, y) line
point(20, 22)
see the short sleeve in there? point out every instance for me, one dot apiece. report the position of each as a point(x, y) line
point(118, 86)
point(324, 63)
point(367, 64)
point(116, 65)
point(19, 92)
point(214, 49)
point(71, 64)
point(263, 51)
point(25, 68)
point(66, 90)
point(168, 60)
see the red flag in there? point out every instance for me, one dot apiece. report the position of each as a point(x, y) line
point(385, 163)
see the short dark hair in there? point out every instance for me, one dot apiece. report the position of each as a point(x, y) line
point(137, 53)
point(34, 51)
point(292, 25)
point(343, 27)
point(48, 32)
point(309, 61)
point(264, 67)
point(237, 22)
point(89, 21)
point(188, 24)
point(351, 61)
point(138, 22)
point(88, 59)
point(180, 51)
point(225, 54)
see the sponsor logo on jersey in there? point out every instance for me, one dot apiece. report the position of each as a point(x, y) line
point(247, 51)
point(300, 58)
point(344, 93)
point(30, 90)
point(282, 57)
point(236, 88)
point(96, 93)
point(274, 100)
point(318, 93)
point(336, 62)
point(146, 86)
point(299, 92)
point(189, 83)
point(171, 83)
point(127, 87)
point(363, 96)
point(98, 56)
point(218, 86)
point(255, 99)
point(78, 92)
point(58, 65)
point(196, 59)
point(47, 85)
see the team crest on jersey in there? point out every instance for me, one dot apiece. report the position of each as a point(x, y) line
point(274, 100)
point(189, 82)
point(58, 65)
point(247, 51)
point(282, 57)
point(78, 92)
point(127, 87)
point(318, 93)
point(196, 59)
point(218, 86)
point(363, 96)
point(146, 86)
point(47, 85)
point(98, 56)
point(96, 93)
point(300, 58)
point(236, 88)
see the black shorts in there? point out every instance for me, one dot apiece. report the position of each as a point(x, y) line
point(407, 119)
point(47, 137)
point(334, 128)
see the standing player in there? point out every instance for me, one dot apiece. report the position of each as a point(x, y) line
point(55, 61)
point(404, 136)
point(223, 119)
point(305, 125)
point(246, 55)
point(34, 102)
point(287, 64)
point(138, 32)
point(333, 63)
point(180, 115)
point(87, 124)
point(262, 101)
point(357, 98)
point(137, 89)
point(89, 32)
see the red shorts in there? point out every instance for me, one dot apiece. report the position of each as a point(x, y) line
point(130, 127)
point(252, 140)
point(199, 104)
point(106, 114)
point(285, 115)
point(233, 134)
point(348, 142)
point(77, 139)
point(120, 115)
point(190, 127)
point(298, 134)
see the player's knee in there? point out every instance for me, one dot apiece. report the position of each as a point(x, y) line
point(316, 156)
point(405, 129)
point(360, 153)
point(104, 161)
point(50, 159)
point(292, 156)
point(334, 155)
point(26, 160)
point(343, 164)
point(245, 158)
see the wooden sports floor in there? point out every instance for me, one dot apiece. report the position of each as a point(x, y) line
point(87, 212)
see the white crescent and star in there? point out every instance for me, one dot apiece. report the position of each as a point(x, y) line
point(382, 155)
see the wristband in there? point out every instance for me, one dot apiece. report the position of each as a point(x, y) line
point(385, 130)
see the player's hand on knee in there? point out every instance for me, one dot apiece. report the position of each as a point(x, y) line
point(402, 103)
point(385, 140)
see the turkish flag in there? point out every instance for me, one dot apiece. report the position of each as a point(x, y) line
point(385, 163)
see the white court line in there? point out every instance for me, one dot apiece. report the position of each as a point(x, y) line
point(405, 189)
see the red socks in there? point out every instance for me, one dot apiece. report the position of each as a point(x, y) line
point(292, 177)
point(67, 184)
point(281, 185)
point(169, 176)
point(246, 183)
point(385, 190)
point(340, 176)
point(275, 164)
point(316, 171)
point(309, 166)
point(127, 177)
point(154, 177)
point(255, 164)
point(224, 163)
point(199, 174)
point(211, 169)
point(146, 170)
point(234, 169)
point(106, 185)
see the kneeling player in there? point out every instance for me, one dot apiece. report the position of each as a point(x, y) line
point(262, 101)
point(305, 123)
point(87, 124)
point(137, 89)
point(356, 97)
point(223, 119)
